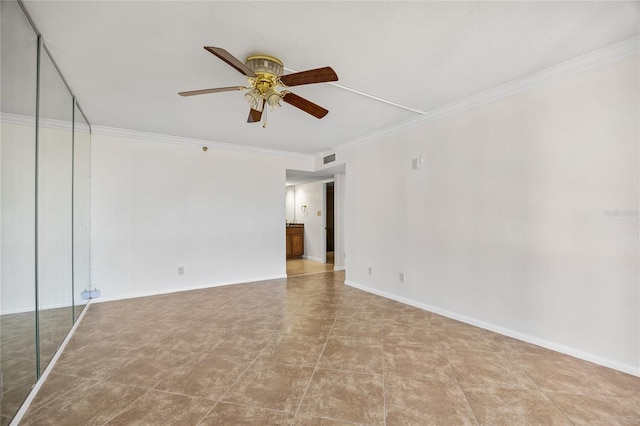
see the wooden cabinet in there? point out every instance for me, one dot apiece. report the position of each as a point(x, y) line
point(295, 240)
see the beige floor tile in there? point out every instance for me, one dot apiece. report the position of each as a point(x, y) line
point(194, 338)
point(345, 396)
point(232, 414)
point(421, 402)
point(364, 355)
point(242, 343)
point(147, 366)
point(297, 267)
point(91, 404)
point(512, 407)
point(293, 350)
point(399, 333)
point(561, 373)
point(94, 361)
point(210, 377)
point(408, 315)
point(308, 327)
point(598, 410)
point(469, 338)
point(302, 420)
point(160, 408)
point(270, 385)
point(356, 329)
point(473, 369)
point(420, 362)
point(56, 386)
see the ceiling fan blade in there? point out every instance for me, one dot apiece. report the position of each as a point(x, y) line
point(216, 90)
point(305, 105)
point(254, 115)
point(231, 60)
point(319, 75)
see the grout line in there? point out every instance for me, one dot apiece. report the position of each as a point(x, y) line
point(221, 398)
point(384, 386)
point(315, 368)
point(63, 393)
point(239, 404)
point(453, 371)
point(126, 407)
point(547, 396)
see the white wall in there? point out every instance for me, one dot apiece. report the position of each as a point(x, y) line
point(290, 201)
point(510, 223)
point(158, 206)
point(312, 196)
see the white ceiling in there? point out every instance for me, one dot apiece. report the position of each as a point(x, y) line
point(126, 60)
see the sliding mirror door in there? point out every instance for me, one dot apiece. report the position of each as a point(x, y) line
point(45, 165)
point(54, 210)
point(18, 80)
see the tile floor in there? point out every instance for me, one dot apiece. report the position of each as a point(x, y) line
point(303, 267)
point(309, 350)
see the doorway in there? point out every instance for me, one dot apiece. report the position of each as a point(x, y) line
point(330, 223)
point(314, 201)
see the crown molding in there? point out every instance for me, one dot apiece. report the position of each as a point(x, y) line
point(21, 120)
point(179, 140)
point(613, 53)
point(47, 123)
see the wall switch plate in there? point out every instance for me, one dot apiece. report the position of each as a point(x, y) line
point(415, 164)
point(370, 270)
point(401, 277)
point(180, 270)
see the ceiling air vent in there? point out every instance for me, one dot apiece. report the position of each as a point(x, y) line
point(329, 158)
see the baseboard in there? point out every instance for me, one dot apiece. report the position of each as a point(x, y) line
point(42, 308)
point(567, 350)
point(314, 259)
point(178, 290)
point(339, 268)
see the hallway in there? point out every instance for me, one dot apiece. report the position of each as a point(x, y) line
point(297, 267)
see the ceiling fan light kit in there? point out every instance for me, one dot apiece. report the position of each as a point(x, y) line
point(264, 74)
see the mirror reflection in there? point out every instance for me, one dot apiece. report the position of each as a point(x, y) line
point(19, 46)
point(45, 263)
point(54, 198)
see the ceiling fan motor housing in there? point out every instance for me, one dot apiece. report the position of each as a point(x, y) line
point(268, 71)
point(264, 64)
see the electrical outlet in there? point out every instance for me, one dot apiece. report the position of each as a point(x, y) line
point(370, 270)
point(401, 277)
point(180, 270)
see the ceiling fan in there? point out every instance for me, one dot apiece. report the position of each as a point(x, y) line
point(264, 74)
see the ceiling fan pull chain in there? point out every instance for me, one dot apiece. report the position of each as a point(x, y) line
point(264, 121)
